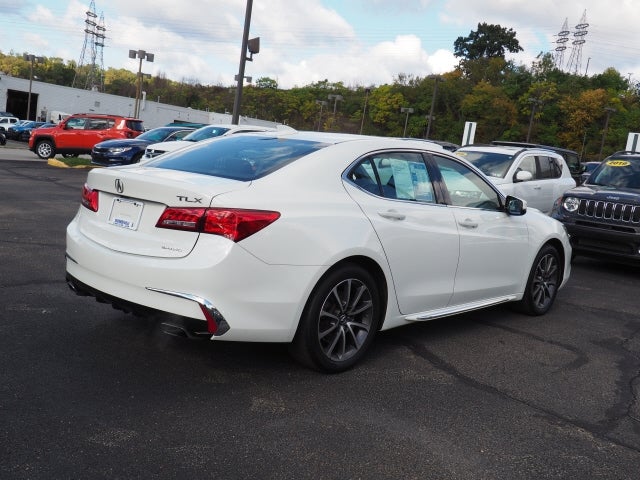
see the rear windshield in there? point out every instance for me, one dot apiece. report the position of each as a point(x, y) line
point(243, 157)
point(490, 163)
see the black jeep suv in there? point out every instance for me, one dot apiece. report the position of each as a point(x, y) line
point(602, 215)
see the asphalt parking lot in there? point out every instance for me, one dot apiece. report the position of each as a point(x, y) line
point(89, 392)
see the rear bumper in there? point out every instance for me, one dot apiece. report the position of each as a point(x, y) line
point(235, 295)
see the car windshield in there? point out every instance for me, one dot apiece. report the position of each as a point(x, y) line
point(237, 157)
point(491, 164)
point(155, 135)
point(617, 173)
point(205, 132)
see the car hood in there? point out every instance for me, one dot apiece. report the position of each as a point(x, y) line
point(128, 142)
point(606, 194)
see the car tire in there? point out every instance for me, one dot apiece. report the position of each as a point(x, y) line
point(137, 158)
point(339, 321)
point(44, 149)
point(543, 282)
point(3, 139)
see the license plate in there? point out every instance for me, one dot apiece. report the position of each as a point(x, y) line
point(125, 213)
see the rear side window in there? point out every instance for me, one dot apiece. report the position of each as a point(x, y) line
point(549, 167)
point(397, 175)
point(237, 157)
point(134, 125)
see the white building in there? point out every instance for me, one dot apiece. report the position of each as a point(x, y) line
point(48, 99)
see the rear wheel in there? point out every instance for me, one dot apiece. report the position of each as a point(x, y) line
point(542, 285)
point(339, 321)
point(44, 149)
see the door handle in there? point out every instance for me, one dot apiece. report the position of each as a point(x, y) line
point(468, 223)
point(392, 215)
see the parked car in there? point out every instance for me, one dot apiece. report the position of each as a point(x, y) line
point(22, 131)
point(536, 175)
point(131, 150)
point(587, 169)
point(6, 122)
point(77, 134)
point(570, 156)
point(318, 239)
point(602, 215)
point(203, 133)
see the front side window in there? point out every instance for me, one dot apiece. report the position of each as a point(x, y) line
point(465, 187)
point(396, 175)
point(76, 123)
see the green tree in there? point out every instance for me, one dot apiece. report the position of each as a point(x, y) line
point(487, 42)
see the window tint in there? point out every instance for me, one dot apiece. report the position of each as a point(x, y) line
point(465, 187)
point(549, 167)
point(100, 123)
point(238, 157)
point(397, 175)
point(76, 123)
point(206, 132)
point(528, 164)
point(490, 163)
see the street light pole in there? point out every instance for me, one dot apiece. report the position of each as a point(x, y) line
point(406, 110)
point(534, 103)
point(367, 91)
point(322, 103)
point(609, 111)
point(142, 55)
point(433, 103)
point(31, 59)
point(253, 46)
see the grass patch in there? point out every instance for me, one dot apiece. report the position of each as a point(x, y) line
point(74, 161)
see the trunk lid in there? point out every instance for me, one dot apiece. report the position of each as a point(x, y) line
point(132, 199)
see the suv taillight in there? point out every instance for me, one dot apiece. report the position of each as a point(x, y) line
point(233, 223)
point(90, 198)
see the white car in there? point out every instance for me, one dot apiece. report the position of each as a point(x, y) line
point(536, 175)
point(312, 238)
point(203, 133)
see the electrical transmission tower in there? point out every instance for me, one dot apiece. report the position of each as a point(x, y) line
point(563, 38)
point(579, 36)
point(90, 75)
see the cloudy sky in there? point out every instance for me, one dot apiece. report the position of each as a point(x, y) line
point(357, 42)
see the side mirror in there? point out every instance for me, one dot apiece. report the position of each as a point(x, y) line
point(515, 206)
point(522, 176)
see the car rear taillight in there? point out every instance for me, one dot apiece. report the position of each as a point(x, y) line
point(233, 223)
point(90, 198)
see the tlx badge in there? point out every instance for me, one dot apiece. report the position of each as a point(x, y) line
point(183, 198)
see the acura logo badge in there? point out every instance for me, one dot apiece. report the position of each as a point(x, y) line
point(119, 186)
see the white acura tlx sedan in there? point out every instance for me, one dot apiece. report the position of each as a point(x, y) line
point(315, 239)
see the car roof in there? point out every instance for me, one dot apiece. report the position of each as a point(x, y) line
point(533, 145)
point(625, 154)
point(506, 149)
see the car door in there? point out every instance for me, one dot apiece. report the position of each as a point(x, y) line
point(493, 244)
point(419, 236)
point(534, 191)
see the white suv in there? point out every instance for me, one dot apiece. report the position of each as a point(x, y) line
point(535, 175)
point(6, 122)
point(203, 133)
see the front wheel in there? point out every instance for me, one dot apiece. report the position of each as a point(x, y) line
point(44, 149)
point(339, 321)
point(542, 285)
